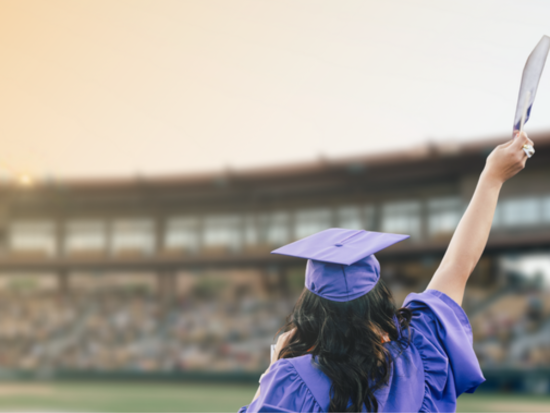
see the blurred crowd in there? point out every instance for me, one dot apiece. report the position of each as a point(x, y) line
point(132, 331)
point(136, 330)
point(514, 332)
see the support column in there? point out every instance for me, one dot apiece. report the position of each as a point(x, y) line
point(4, 230)
point(486, 271)
point(173, 285)
point(372, 216)
point(63, 282)
point(3, 238)
point(266, 282)
point(274, 280)
point(291, 225)
point(166, 285)
point(282, 281)
point(199, 228)
point(59, 234)
point(108, 237)
point(424, 217)
point(160, 232)
point(334, 218)
point(160, 284)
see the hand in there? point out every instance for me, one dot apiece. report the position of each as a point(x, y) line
point(508, 159)
point(283, 340)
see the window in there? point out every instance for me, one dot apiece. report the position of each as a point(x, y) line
point(520, 212)
point(32, 237)
point(182, 233)
point(223, 231)
point(349, 217)
point(401, 217)
point(85, 235)
point(133, 236)
point(356, 217)
point(310, 221)
point(546, 209)
point(274, 228)
point(444, 215)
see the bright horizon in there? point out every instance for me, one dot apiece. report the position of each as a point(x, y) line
point(111, 88)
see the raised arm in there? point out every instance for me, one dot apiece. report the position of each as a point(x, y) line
point(470, 237)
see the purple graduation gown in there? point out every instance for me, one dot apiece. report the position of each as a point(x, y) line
point(428, 376)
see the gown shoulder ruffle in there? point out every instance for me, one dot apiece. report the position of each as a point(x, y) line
point(442, 334)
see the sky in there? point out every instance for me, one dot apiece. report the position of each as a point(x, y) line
point(114, 88)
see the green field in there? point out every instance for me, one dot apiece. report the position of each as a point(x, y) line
point(184, 397)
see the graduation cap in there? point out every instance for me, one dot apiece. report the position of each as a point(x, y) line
point(341, 265)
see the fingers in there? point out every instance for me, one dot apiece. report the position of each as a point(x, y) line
point(282, 342)
point(285, 337)
point(289, 334)
point(517, 137)
point(506, 145)
point(521, 139)
point(510, 142)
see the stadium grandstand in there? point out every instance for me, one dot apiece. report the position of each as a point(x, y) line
point(172, 275)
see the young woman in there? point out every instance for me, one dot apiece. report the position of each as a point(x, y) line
point(347, 348)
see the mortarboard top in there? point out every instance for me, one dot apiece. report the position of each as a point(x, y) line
point(341, 265)
point(340, 246)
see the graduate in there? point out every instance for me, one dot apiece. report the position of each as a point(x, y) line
point(347, 348)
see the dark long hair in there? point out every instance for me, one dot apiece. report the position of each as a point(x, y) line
point(345, 340)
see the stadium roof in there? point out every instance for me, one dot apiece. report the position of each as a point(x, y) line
point(430, 151)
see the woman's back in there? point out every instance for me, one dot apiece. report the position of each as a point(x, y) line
point(428, 374)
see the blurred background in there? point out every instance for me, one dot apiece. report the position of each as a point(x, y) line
point(154, 153)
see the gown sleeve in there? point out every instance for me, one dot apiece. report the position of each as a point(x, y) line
point(283, 390)
point(442, 334)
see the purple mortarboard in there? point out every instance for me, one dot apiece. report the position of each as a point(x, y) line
point(341, 265)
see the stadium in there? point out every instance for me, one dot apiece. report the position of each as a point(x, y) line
point(165, 286)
